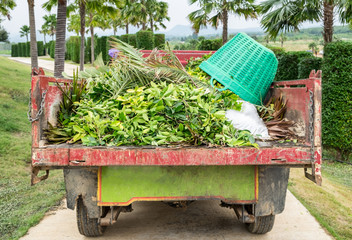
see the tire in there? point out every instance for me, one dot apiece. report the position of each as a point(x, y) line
point(262, 224)
point(88, 227)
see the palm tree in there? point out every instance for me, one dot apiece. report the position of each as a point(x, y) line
point(288, 15)
point(74, 23)
point(5, 8)
point(33, 44)
point(50, 22)
point(214, 12)
point(60, 44)
point(44, 31)
point(313, 46)
point(158, 12)
point(283, 38)
point(25, 31)
point(129, 14)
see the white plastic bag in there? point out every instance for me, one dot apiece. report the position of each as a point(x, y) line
point(248, 119)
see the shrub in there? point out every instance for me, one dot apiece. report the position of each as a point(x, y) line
point(14, 50)
point(145, 40)
point(132, 40)
point(103, 48)
point(40, 48)
point(23, 49)
point(159, 40)
point(210, 44)
point(288, 65)
point(75, 46)
point(28, 49)
point(306, 65)
point(52, 49)
point(124, 38)
point(337, 97)
point(277, 50)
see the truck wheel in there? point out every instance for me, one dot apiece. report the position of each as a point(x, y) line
point(88, 227)
point(262, 224)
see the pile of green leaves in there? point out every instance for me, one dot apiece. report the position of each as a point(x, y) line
point(151, 101)
point(158, 115)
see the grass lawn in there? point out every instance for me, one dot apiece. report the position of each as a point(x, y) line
point(21, 206)
point(331, 203)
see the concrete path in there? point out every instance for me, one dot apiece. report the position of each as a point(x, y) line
point(46, 64)
point(201, 220)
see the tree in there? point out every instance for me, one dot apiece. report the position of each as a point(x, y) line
point(50, 24)
point(74, 23)
point(283, 38)
point(214, 12)
point(157, 13)
point(288, 15)
point(5, 8)
point(60, 44)
point(314, 47)
point(33, 44)
point(25, 31)
point(4, 36)
point(45, 31)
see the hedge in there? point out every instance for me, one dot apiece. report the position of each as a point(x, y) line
point(124, 38)
point(288, 65)
point(145, 40)
point(306, 65)
point(52, 49)
point(23, 49)
point(40, 47)
point(103, 48)
point(75, 46)
point(132, 40)
point(337, 97)
point(28, 49)
point(159, 40)
point(278, 51)
point(210, 44)
point(14, 50)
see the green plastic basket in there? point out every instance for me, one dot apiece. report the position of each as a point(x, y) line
point(243, 66)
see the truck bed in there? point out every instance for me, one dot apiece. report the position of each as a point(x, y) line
point(303, 107)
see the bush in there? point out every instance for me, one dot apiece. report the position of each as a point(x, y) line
point(14, 50)
point(23, 49)
point(40, 47)
point(288, 65)
point(306, 65)
point(52, 49)
point(145, 40)
point(124, 38)
point(337, 97)
point(278, 51)
point(159, 40)
point(75, 47)
point(28, 49)
point(103, 48)
point(210, 44)
point(132, 40)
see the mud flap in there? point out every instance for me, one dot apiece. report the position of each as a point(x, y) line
point(82, 182)
point(272, 190)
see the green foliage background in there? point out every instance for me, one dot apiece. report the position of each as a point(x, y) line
point(337, 97)
point(145, 40)
point(306, 65)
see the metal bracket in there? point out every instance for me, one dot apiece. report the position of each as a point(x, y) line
point(34, 176)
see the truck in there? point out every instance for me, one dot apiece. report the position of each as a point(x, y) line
point(103, 181)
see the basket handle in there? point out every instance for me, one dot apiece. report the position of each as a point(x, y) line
point(219, 89)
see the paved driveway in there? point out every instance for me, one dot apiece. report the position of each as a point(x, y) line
point(201, 220)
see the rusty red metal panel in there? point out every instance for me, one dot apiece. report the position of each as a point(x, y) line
point(85, 156)
point(50, 157)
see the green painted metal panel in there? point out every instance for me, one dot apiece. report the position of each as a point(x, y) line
point(125, 184)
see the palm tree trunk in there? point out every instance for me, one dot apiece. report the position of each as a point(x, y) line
point(225, 18)
point(60, 44)
point(92, 45)
point(82, 13)
point(34, 51)
point(27, 37)
point(151, 23)
point(115, 31)
point(328, 22)
point(144, 26)
point(126, 27)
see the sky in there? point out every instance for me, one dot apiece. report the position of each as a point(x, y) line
point(178, 11)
